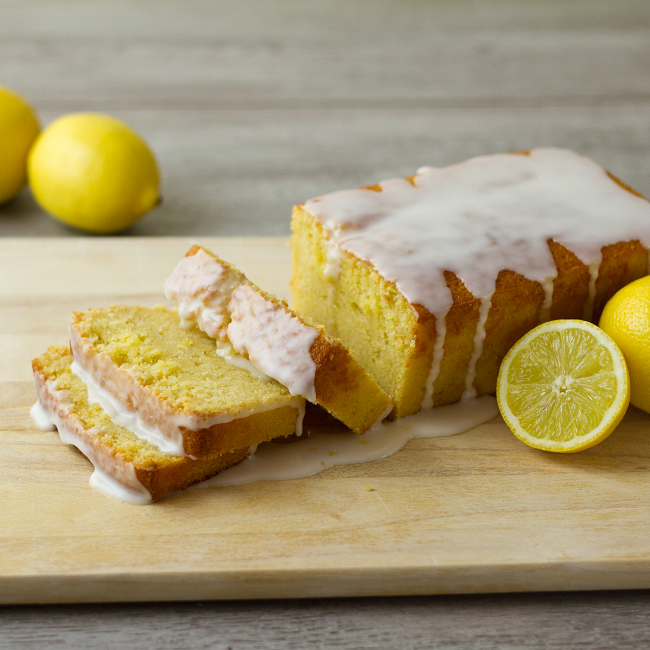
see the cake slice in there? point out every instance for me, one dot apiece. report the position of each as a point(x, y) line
point(249, 325)
point(431, 279)
point(188, 400)
point(126, 467)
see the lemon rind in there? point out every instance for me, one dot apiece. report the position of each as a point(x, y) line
point(611, 417)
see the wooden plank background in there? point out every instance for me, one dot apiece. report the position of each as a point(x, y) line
point(253, 106)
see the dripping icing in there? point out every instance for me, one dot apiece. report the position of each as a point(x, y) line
point(589, 305)
point(479, 337)
point(100, 480)
point(320, 451)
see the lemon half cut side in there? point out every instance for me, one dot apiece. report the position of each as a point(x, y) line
point(564, 386)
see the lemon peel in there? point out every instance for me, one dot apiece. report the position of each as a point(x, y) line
point(93, 172)
point(626, 318)
point(563, 387)
point(18, 129)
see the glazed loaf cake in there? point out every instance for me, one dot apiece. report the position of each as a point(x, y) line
point(431, 279)
point(253, 327)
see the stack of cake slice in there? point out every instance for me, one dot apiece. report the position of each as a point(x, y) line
point(151, 404)
point(252, 327)
point(156, 404)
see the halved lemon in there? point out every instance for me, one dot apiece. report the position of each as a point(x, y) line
point(564, 386)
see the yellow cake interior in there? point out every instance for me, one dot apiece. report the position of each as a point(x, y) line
point(179, 365)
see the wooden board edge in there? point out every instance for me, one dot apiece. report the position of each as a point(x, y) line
point(316, 583)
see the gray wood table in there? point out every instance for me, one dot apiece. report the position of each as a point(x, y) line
point(254, 106)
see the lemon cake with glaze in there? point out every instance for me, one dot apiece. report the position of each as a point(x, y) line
point(431, 279)
point(253, 327)
point(187, 399)
point(126, 467)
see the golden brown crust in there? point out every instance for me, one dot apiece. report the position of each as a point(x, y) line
point(242, 432)
point(185, 472)
point(622, 263)
point(344, 388)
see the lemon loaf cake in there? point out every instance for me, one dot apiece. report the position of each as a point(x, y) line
point(431, 279)
point(188, 400)
point(252, 327)
point(126, 467)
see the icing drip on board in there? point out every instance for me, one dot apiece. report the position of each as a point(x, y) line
point(479, 217)
point(319, 451)
point(99, 480)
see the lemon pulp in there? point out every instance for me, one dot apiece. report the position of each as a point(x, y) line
point(563, 387)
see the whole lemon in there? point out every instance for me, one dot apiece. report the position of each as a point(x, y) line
point(626, 318)
point(18, 130)
point(93, 172)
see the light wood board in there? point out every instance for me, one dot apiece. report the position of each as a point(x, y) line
point(478, 512)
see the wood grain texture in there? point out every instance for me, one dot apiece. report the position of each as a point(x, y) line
point(472, 513)
point(593, 620)
point(252, 107)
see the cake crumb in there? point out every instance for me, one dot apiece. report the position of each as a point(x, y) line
point(369, 488)
point(365, 442)
point(332, 453)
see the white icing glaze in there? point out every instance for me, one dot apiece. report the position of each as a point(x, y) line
point(265, 335)
point(274, 339)
point(333, 265)
point(319, 451)
point(108, 486)
point(438, 353)
point(479, 337)
point(226, 351)
point(589, 305)
point(131, 420)
point(41, 417)
point(479, 217)
point(545, 314)
point(52, 406)
point(203, 288)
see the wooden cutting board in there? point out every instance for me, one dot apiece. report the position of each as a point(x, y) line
point(477, 512)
